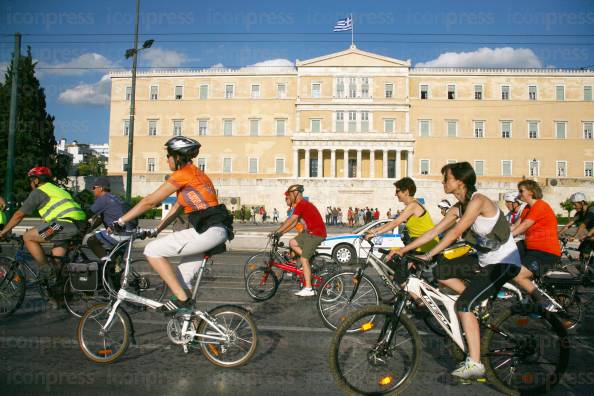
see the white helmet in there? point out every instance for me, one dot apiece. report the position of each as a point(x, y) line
point(578, 197)
point(444, 204)
point(510, 196)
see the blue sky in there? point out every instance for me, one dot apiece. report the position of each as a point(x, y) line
point(76, 43)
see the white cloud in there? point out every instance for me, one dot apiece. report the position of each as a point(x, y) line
point(217, 66)
point(157, 57)
point(272, 65)
point(83, 64)
point(96, 94)
point(487, 57)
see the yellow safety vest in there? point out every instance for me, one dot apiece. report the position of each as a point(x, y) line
point(60, 206)
point(2, 217)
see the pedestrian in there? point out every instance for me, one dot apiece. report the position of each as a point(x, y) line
point(334, 216)
point(275, 215)
point(350, 216)
point(339, 216)
point(328, 215)
point(376, 214)
point(389, 214)
point(242, 214)
point(253, 213)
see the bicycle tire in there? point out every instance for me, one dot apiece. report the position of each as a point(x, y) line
point(528, 322)
point(146, 281)
point(364, 348)
point(258, 284)
point(573, 308)
point(101, 351)
point(242, 331)
point(261, 260)
point(12, 290)
point(78, 302)
point(333, 305)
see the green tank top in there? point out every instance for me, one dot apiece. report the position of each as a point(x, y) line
point(419, 225)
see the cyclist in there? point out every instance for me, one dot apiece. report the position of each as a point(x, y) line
point(106, 209)
point(541, 240)
point(584, 219)
point(515, 214)
point(306, 242)
point(196, 196)
point(56, 207)
point(479, 221)
point(444, 205)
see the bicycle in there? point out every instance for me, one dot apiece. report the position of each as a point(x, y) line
point(262, 283)
point(384, 354)
point(226, 335)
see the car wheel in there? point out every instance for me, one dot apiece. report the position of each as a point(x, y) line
point(344, 254)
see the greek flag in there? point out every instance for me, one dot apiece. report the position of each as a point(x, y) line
point(343, 25)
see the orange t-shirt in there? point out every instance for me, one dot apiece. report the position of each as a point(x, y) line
point(542, 235)
point(195, 190)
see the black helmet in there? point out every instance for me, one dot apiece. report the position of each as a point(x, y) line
point(183, 146)
point(295, 187)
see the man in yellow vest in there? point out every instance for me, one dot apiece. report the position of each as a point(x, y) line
point(2, 214)
point(55, 206)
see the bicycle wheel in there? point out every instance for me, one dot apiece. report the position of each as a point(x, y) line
point(323, 266)
point(573, 310)
point(261, 260)
point(241, 337)
point(77, 302)
point(12, 287)
point(379, 359)
point(261, 284)
point(103, 346)
point(336, 300)
point(525, 351)
point(145, 281)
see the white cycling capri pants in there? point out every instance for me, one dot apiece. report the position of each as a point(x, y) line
point(190, 246)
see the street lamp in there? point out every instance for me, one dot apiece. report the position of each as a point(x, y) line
point(133, 53)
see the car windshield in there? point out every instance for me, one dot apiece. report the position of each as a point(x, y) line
point(360, 229)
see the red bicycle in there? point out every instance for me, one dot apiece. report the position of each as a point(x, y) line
point(262, 283)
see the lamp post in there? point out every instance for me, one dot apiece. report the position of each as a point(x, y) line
point(133, 53)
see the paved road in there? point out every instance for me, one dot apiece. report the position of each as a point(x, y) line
point(39, 354)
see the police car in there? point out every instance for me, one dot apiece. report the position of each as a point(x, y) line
point(347, 248)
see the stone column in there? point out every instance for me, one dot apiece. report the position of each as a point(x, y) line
point(398, 175)
point(346, 163)
point(306, 171)
point(385, 164)
point(409, 163)
point(295, 163)
point(333, 163)
point(359, 161)
point(320, 163)
point(372, 163)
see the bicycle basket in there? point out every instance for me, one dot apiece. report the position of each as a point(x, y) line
point(84, 276)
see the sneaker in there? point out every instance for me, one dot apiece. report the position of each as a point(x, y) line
point(176, 306)
point(549, 306)
point(305, 292)
point(469, 369)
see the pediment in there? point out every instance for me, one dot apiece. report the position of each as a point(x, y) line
point(353, 57)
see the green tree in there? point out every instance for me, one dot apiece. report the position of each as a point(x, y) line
point(35, 140)
point(94, 166)
point(568, 206)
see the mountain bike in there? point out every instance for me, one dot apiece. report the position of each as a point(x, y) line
point(525, 349)
point(226, 335)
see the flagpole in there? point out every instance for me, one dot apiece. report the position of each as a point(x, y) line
point(352, 31)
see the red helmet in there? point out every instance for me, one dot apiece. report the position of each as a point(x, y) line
point(38, 171)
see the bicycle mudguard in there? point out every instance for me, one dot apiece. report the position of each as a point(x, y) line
point(247, 311)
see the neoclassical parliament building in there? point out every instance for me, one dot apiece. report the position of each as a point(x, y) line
point(349, 123)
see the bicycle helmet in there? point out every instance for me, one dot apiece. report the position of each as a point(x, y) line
point(578, 197)
point(295, 187)
point(39, 171)
point(183, 149)
point(510, 196)
point(444, 204)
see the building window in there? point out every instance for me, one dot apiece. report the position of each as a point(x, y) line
point(281, 91)
point(559, 92)
point(179, 92)
point(316, 125)
point(452, 128)
point(389, 125)
point(316, 89)
point(352, 121)
point(533, 168)
point(150, 165)
point(451, 161)
point(229, 91)
point(364, 87)
point(255, 90)
point(364, 121)
point(201, 164)
point(506, 168)
point(352, 87)
point(154, 92)
point(532, 130)
point(177, 127)
point(560, 130)
point(313, 167)
point(561, 168)
point(506, 129)
point(424, 167)
point(588, 93)
point(424, 126)
point(478, 92)
point(254, 127)
point(532, 92)
point(340, 87)
point(203, 92)
point(588, 168)
point(479, 167)
point(505, 92)
point(128, 93)
point(340, 121)
point(202, 127)
point(424, 91)
point(280, 166)
point(125, 164)
point(152, 127)
point(479, 129)
point(389, 90)
point(227, 127)
point(253, 165)
point(451, 91)
point(126, 128)
point(227, 162)
point(281, 125)
point(588, 130)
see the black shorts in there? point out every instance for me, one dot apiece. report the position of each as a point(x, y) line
point(485, 284)
point(586, 247)
point(463, 267)
point(539, 262)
